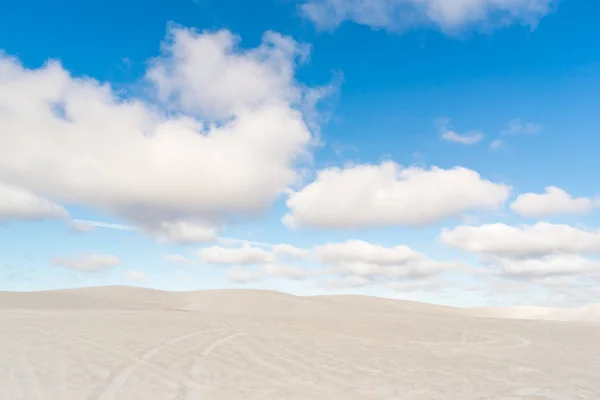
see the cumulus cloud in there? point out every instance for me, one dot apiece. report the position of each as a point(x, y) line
point(178, 259)
point(527, 241)
point(135, 276)
point(388, 194)
point(88, 262)
point(357, 263)
point(448, 15)
point(245, 255)
point(290, 252)
point(205, 73)
point(20, 204)
point(547, 266)
point(182, 232)
point(360, 251)
point(228, 144)
point(554, 201)
point(353, 263)
point(538, 255)
point(251, 263)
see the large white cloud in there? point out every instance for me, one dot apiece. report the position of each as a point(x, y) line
point(228, 143)
point(88, 262)
point(554, 201)
point(387, 194)
point(541, 239)
point(19, 204)
point(207, 75)
point(449, 15)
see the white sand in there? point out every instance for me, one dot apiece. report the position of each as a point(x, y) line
point(139, 344)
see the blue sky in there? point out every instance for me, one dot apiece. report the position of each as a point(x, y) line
point(394, 90)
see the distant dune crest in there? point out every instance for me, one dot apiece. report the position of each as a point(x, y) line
point(266, 302)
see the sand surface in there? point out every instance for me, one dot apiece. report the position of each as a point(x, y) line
point(122, 343)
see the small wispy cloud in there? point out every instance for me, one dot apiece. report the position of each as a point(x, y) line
point(88, 262)
point(514, 127)
point(234, 241)
point(135, 276)
point(519, 127)
point(178, 259)
point(468, 138)
point(496, 144)
point(84, 225)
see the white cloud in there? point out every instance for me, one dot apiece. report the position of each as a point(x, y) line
point(357, 263)
point(245, 255)
point(360, 251)
point(387, 194)
point(81, 226)
point(88, 262)
point(280, 271)
point(229, 143)
point(266, 263)
point(448, 15)
point(348, 282)
point(242, 275)
point(20, 204)
point(552, 265)
point(468, 138)
point(424, 285)
point(86, 226)
point(554, 201)
point(519, 127)
point(182, 232)
point(496, 144)
point(541, 239)
point(350, 264)
point(135, 276)
point(290, 252)
point(206, 73)
point(178, 259)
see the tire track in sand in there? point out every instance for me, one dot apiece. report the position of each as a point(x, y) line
point(184, 391)
point(118, 381)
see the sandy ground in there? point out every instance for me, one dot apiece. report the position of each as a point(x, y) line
point(129, 344)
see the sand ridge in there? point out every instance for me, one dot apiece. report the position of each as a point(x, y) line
point(116, 343)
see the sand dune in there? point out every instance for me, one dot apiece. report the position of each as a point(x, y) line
point(589, 313)
point(111, 343)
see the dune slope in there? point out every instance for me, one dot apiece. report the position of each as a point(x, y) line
point(117, 343)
